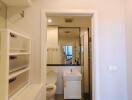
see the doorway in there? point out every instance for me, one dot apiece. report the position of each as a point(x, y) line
point(94, 42)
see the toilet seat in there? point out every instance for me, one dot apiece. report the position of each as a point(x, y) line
point(51, 87)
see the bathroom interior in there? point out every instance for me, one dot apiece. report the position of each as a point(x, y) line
point(69, 57)
point(23, 62)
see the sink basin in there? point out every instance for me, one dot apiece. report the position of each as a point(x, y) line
point(72, 76)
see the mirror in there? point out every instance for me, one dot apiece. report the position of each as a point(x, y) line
point(63, 46)
point(69, 41)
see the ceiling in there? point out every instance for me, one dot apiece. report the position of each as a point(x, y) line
point(69, 25)
point(77, 21)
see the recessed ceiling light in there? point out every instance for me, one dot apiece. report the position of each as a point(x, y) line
point(49, 20)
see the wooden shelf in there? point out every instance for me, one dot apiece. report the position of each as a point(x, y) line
point(18, 73)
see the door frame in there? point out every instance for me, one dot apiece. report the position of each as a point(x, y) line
point(95, 46)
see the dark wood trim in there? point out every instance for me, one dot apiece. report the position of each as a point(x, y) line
point(69, 27)
point(53, 25)
point(90, 64)
point(63, 65)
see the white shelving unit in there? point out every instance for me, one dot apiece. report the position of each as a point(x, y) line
point(18, 61)
point(15, 68)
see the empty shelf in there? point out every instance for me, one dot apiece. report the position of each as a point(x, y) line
point(28, 93)
point(18, 68)
point(18, 73)
point(12, 54)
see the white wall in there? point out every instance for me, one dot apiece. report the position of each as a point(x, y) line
point(129, 45)
point(112, 85)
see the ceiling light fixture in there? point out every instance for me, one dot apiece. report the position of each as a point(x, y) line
point(49, 20)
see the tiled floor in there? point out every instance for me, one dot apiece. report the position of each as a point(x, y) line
point(61, 97)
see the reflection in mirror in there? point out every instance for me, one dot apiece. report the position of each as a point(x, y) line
point(69, 41)
point(67, 54)
point(63, 45)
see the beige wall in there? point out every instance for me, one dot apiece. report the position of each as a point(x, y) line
point(111, 84)
point(2, 69)
point(54, 56)
point(3, 13)
point(129, 45)
point(52, 37)
point(53, 50)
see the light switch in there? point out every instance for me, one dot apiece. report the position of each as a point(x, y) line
point(112, 68)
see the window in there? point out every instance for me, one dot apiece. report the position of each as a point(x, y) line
point(68, 52)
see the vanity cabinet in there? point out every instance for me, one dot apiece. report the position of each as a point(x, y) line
point(72, 90)
point(72, 84)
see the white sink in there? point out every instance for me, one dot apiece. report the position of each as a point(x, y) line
point(72, 76)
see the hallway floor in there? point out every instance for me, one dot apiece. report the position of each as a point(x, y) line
point(61, 97)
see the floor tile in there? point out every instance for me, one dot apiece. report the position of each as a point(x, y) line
point(61, 97)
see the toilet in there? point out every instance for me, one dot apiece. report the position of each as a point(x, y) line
point(51, 85)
